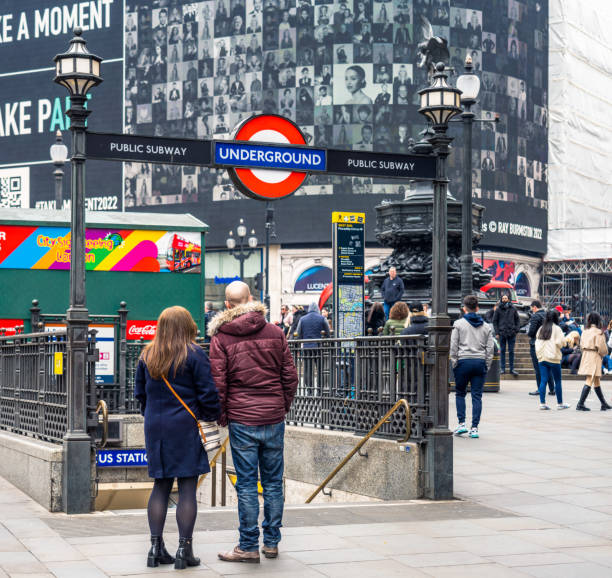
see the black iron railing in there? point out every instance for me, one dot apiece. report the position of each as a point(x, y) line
point(348, 384)
point(33, 398)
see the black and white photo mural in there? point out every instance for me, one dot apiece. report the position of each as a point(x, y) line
point(347, 72)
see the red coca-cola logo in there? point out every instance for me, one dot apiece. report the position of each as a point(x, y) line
point(7, 326)
point(144, 329)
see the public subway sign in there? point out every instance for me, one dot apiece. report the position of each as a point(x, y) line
point(145, 149)
point(381, 164)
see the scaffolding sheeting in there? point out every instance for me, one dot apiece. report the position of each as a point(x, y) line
point(580, 131)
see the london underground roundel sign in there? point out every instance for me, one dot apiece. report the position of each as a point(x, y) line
point(268, 184)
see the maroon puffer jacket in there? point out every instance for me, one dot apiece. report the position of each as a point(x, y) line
point(252, 366)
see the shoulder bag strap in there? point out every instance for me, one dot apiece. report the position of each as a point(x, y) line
point(185, 406)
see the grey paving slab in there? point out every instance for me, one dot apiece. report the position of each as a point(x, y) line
point(587, 500)
point(563, 538)
point(474, 571)
point(28, 528)
point(187, 573)
point(75, 569)
point(579, 570)
point(514, 524)
point(562, 513)
point(440, 559)
point(20, 562)
point(52, 549)
point(406, 544)
point(542, 559)
point(126, 564)
point(314, 542)
point(332, 556)
point(497, 545)
point(598, 554)
point(371, 569)
point(283, 564)
point(35, 575)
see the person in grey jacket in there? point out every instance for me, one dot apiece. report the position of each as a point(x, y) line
point(471, 354)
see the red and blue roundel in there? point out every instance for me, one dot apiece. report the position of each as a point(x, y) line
point(268, 184)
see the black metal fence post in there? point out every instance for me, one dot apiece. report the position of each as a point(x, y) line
point(123, 314)
point(34, 316)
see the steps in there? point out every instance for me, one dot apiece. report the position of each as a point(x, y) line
point(524, 365)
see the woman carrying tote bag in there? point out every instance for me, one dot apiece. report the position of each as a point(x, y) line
point(173, 366)
point(594, 348)
point(549, 341)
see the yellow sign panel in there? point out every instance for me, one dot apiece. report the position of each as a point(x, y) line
point(341, 217)
point(58, 363)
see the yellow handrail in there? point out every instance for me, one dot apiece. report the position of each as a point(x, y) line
point(213, 462)
point(383, 420)
point(101, 406)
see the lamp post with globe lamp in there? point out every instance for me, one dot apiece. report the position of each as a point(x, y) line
point(242, 254)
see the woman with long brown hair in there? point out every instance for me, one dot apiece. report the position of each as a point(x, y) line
point(172, 439)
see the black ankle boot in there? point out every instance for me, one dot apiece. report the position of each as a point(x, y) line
point(184, 555)
point(585, 393)
point(604, 403)
point(158, 553)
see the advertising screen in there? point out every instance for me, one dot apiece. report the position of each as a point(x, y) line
point(105, 249)
point(347, 72)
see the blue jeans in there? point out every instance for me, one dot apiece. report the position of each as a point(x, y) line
point(387, 308)
point(548, 369)
point(473, 371)
point(258, 447)
point(503, 342)
point(536, 368)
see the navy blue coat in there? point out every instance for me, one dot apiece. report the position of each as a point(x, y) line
point(311, 326)
point(174, 449)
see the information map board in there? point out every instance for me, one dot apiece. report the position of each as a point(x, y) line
point(348, 235)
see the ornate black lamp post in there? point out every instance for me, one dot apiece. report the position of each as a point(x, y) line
point(241, 254)
point(270, 234)
point(59, 154)
point(78, 71)
point(439, 103)
point(469, 84)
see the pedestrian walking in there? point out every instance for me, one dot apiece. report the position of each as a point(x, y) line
point(375, 319)
point(507, 324)
point(209, 313)
point(538, 314)
point(419, 322)
point(594, 348)
point(397, 319)
point(257, 380)
point(549, 341)
point(297, 312)
point(312, 326)
point(392, 290)
point(174, 447)
point(471, 354)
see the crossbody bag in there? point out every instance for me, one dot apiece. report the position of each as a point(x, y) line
point(209, 432)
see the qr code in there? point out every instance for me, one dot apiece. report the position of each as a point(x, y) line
point(10, 192)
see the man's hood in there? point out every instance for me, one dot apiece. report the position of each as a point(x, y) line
point(240, 320)
point(474, 319)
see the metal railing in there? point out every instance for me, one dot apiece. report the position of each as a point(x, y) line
point(33, 396)
point(360, 444)
point(346, 384)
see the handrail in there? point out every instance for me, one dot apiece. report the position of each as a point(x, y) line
point(382, 421)
point(222, 451)
point(101, 406)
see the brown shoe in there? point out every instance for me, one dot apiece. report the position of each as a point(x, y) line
point(238, 555)
point(270, 551)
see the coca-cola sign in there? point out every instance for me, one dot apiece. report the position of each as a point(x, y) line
point(144, 329)
point(7, 326)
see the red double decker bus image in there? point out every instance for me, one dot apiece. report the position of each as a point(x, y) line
point(182, 254)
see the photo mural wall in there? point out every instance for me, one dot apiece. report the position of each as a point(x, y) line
point(346, 72)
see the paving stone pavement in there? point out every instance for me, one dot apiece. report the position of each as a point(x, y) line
point(535, 500)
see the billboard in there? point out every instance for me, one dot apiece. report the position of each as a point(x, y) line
point(345, 71)
point(105, 249)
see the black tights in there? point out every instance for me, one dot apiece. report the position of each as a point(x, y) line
point(186, 510)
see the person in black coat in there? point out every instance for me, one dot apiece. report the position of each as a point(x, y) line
point(172, 439)
point(507, 324)
point(392, 290)
point(375, 319)
point(419, 322)
point(538, 315)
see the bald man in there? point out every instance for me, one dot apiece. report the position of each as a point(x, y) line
point(257, 380)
